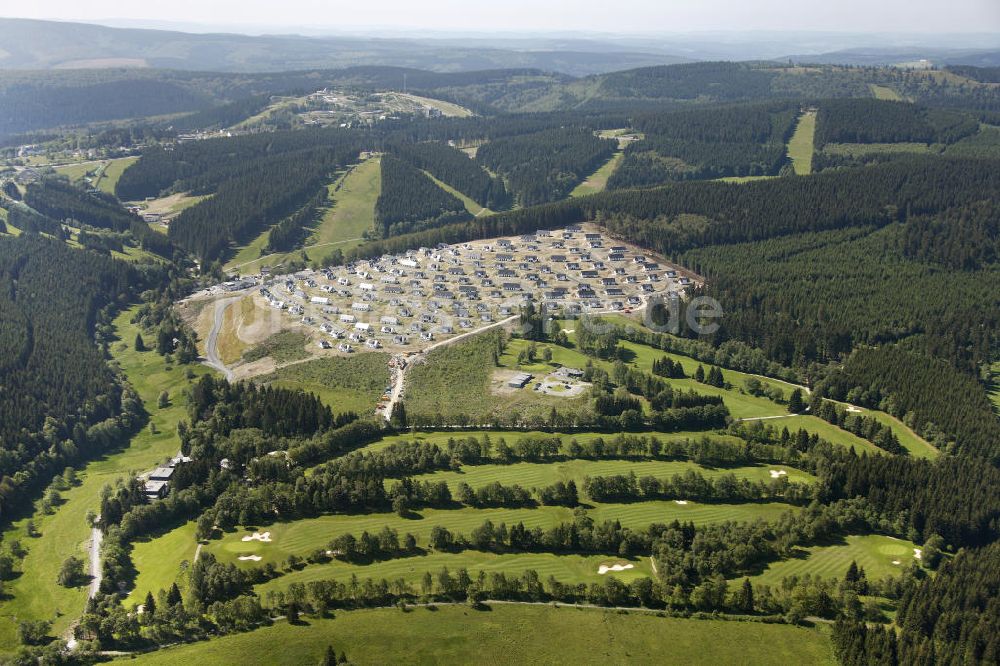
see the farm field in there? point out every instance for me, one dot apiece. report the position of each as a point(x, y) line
point(878, 555)
point(352, 383)
point(800, 146)
point(303, 537)
point(78, 170)
point(35, 593)
point(170, 205)
point(598, 181)
point(509, 633)
point(101, 174)
point(743, 179)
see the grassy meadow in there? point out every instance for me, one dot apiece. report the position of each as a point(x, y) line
point(800, 146)
point(512, 634)
point(345, 383)
point(598, 181)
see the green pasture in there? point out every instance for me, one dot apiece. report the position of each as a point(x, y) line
point(511, 634)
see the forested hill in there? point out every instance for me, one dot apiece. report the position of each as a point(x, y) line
point(809, 269)
point(54, 380)
point(33, 44)
point(678, 217)
point(37, 100)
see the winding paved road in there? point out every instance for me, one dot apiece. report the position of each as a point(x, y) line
point(96, 573)
point(213, 337)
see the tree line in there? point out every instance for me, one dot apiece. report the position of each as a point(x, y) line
point(707, 143)
point(455, 168)
point(410, 201)
point(545, 166)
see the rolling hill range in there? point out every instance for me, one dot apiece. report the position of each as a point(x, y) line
point(30, 44)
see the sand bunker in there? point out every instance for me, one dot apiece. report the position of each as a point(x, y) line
point(603, 569)
point(853, 409)
point(252, 558)
point(918, 553)
point(896, 562)
point(681, 502)
point(264, 537)
point(777, 473)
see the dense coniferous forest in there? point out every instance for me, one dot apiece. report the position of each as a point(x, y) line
point(263, 193)
point(202, 166)
point(722, 81)
point(410, 201)
point(947, 406)
point(26, 219)
point(545, 166)
point(892, 299)
point(455, 168)
point(707, 143)
point(61, 201)
point(60, 398)
point(288, 233)
point(881, 121)
point(29, 106)
point(222, 116)
point(677, 217)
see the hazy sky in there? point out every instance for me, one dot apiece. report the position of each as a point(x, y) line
point(928, 16)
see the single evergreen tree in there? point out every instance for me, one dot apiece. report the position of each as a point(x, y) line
point(397, 419)
point(852, 573)
point(173, 596)
point(140, 345)
point(795, 403)
point(744, 598)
